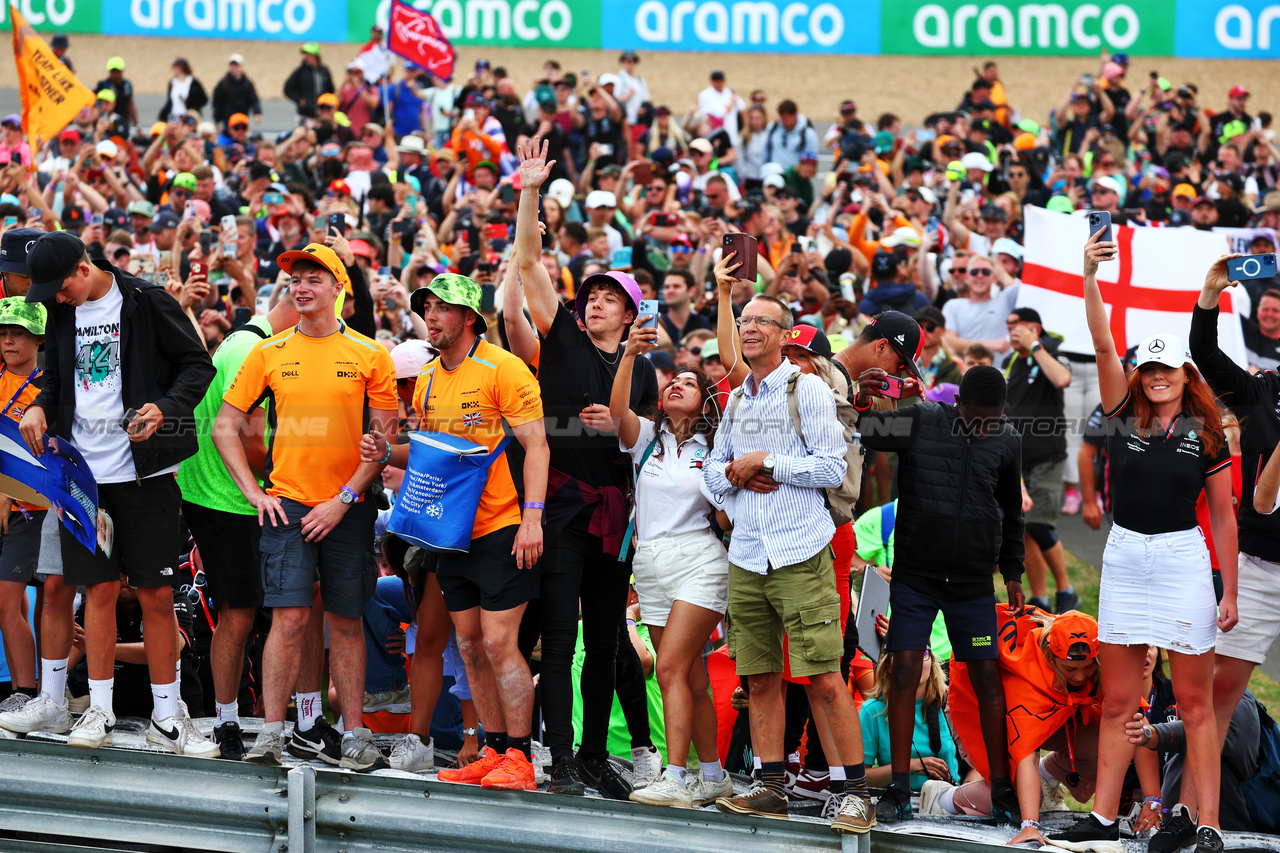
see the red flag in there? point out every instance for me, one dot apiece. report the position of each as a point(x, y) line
point(417, 37)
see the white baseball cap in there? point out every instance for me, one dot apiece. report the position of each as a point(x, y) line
point(902, 237)
point(608, 79)
point(975, 160)
point(1005, 246)
point(601, 198)
point(1107, 182)
point(410, 357)
point(1165, 348)
point(774, 180)
point(561, 190)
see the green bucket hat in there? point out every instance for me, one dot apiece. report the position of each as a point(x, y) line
point(17, 311)
point(1028, 125)
point(311, 48)
point(454, 289)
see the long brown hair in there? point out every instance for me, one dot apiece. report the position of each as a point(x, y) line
point(1198, 403)
point(708, 420)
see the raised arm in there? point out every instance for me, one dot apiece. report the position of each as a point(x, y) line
point(539, 291)
point(639, 342)
point(726, 328)
point(1111, 379)
point(521, 337)
point(957, 231)
point(1268, 486)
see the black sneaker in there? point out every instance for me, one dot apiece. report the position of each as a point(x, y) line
point(1004, 806)
point(1089, 836)
point(1066, 599)
point(1208, 840)
point(565, 779)
point(894, 804)
point(1177, 831)
point(230, 741)
point(1039, 601)
point(322, 742)
point(600, 774)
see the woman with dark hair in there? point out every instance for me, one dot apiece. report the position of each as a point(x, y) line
point(681, 568)
point(1157, 584)
point(185, 92)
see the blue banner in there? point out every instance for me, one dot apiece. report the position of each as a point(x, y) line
point(737, 26)
point(263, 20)
point(59, 478)
point(1247, 29)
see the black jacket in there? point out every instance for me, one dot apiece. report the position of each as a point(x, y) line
point(233, 96)
point(161, 362)
point(1255, 401)
point(305, 84)
point(959, 499)
point(197, 100)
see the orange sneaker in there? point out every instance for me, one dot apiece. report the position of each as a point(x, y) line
point(514, 773)
point(489, 759)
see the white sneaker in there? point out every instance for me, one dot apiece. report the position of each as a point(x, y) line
point(706, 792)
point(930, 793)
point(1051, 796)
point(666, 791)
point(179, 735)
point(395, 701)
point(93, 730)
point(541, 759)
point(646, 764)
point(412, 755)
point(40, 714)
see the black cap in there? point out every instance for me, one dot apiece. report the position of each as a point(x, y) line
point(884, 266)
point(72, 217)
point(1027, 315)
point(903, 334)
point(717, 75)
point(838, 261)
point(60, 40)
point(994, 212)
point(933, 315)
point(14, 247)
point(53, 257)
point(163, 219)
point(662, 360)
point(115, 217)
point(259, 170)
point(1179, 219)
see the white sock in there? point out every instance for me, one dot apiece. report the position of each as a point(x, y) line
point(165, 698)
point(947, 802)
point(756, 763)
point(679, 773)
point(228, 713)
point(100, 693)
point(1046, 775)
point(712, 771)
point(837, 774)
point(308, 709)
point(1102, 820)
point(53, 679)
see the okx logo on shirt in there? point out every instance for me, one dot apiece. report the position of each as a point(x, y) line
point(98, 357)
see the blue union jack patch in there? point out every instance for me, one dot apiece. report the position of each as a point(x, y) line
point(472, 419)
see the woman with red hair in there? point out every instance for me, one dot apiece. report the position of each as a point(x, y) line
point(1165, 446)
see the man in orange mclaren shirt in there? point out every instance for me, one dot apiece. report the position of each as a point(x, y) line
point(319, 379)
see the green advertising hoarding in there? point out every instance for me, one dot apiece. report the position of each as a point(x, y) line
point(1072, 27)
point(506, 23)
point(60, 16)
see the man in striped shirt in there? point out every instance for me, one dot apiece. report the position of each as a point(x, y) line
point(781, 576)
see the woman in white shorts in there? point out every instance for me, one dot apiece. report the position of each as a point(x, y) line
point(1165, 444)
point(681, 568)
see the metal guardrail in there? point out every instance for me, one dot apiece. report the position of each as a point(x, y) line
point(158, 799)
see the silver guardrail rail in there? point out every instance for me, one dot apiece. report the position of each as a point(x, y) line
point(140, 798)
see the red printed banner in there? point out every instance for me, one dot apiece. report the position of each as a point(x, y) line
point(417, 37)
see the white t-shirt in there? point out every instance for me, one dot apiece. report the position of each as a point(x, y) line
point(982, 321)
point(631, 92)
point(722, 110)
point(96, 430)
point(669, 499)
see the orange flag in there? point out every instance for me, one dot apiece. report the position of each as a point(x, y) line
point(51, 94)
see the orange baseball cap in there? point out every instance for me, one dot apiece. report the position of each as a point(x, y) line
point(328, 99)
point(1024, 141)
point(238, 118)
point(1184, 190)
point(322, 255)
point(944, 140)
point(1070, 629)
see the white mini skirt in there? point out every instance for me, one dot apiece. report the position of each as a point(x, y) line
point(1157, 591)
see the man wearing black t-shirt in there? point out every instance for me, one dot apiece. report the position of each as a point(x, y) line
point(586, 491)
point(1037, 376)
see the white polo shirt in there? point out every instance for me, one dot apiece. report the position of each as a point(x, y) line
point(669, 499)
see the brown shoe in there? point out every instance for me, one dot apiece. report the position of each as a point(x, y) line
point(758, 801)
point(856, 815)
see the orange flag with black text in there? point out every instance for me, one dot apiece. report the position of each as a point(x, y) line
point(51, 94)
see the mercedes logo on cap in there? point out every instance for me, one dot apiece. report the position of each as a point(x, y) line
point(1157, 345)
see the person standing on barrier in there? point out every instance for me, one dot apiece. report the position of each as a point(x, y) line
point(326, 385)
point(780, 559)
point(471, 390)
point(124, 372)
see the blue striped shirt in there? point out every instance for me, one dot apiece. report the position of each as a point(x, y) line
point(790, 525)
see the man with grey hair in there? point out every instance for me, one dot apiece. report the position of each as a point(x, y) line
point(781, 576)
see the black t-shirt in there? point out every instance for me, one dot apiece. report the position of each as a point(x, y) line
point(1157, 479)
point(605, 131)
point(1095, 434)
point(570, 365)
point(1036, 408)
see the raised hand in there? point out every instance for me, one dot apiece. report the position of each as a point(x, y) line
point(534, 168)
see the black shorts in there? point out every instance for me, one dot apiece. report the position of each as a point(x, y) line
point(146, 541)
point(487, 577)
point(971, 625)
point(20, 547)
point(228, 544)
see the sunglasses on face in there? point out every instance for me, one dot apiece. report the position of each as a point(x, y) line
point(239, 127)
point(188, 120)
point(681, 250)
point(177, 193)
point(693, 350)
point(980, 272)
point(929, 326)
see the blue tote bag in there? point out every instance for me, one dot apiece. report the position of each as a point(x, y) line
point(436, 506)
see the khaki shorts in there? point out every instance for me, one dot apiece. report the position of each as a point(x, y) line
point(800, 600)
point(1044, 484)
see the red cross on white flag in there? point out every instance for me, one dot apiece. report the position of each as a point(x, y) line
point(1150, 288)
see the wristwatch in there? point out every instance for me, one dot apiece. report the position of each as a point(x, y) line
point(769, 463)
point(1035, 345)
point(347, 496)
point(473, 732)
